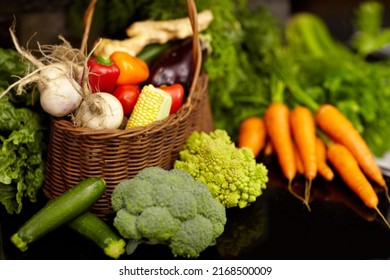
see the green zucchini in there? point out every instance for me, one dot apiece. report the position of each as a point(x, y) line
point(150, 52)
point(95, 229)
point(59, 211)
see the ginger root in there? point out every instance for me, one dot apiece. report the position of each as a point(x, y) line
point(147, 32)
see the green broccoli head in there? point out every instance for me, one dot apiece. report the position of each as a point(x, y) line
point(136, 199)
point(213, 212)
point(161, 206)
point(232, 175)
point(192, 237)
point(157, 224)
point(126, 223)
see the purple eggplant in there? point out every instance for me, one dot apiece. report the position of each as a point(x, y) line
point(173, 65)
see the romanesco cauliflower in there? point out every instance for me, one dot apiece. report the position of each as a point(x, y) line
point(158, 206)
point(232, 175)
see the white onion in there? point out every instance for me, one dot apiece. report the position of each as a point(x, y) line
point(110, 117)
point(60, 94)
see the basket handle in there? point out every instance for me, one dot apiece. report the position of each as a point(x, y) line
point(196, 47)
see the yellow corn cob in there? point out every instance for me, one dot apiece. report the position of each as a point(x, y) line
point(153, 104)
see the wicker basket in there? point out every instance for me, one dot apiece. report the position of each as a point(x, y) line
point(115, 155)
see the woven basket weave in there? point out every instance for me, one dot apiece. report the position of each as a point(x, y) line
point(115, 155)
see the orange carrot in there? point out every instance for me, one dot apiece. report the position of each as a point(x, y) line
point(268, 148)
point(323, 168)
point(298, 160)
point(252, 134)
point(341, 130)
point(277, 124)
point(304, 134)
point(348, 169)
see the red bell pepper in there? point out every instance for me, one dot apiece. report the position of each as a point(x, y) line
point(177, 93)
point(103, 74)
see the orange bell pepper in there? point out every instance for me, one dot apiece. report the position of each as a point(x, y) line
point(132, 69)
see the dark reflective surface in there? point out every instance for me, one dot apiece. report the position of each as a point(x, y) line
point(276, 226)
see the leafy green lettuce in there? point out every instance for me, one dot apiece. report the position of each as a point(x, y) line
point(21, 139)
point(21, 159)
